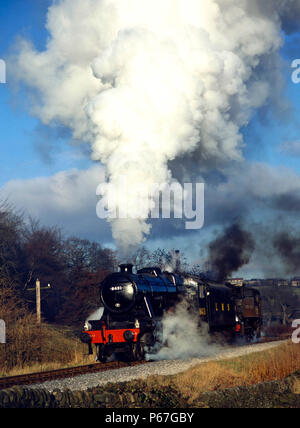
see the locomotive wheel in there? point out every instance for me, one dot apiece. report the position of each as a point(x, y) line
point(138, 351)
point(102, 356)
point(134, 353)
point(249, 337)
point(103, 359)
point(127, 356)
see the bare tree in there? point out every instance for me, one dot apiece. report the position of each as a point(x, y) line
point(11, 256)
point(279, 304)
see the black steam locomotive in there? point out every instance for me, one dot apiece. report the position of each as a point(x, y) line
point(135, 303)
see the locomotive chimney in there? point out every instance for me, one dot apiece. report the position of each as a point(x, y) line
point(126, 268)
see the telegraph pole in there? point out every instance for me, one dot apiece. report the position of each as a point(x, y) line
point(38, 300)
point(37, 290)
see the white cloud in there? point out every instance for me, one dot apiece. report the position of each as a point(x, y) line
point(253, 190)
point(67, 199)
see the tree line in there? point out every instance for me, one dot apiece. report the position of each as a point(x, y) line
point(72, 266)
point(75, 267)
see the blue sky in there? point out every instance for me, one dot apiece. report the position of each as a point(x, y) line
point(29, 150)
point(268, 131)
point(21, 136)
point(18, 157)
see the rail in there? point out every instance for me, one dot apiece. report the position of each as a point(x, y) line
point(40, 377)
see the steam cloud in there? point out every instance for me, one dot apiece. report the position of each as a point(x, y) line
point(96, 315)
point(174, 342)
point(146, 82)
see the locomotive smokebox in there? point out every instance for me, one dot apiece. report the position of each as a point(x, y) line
point(118, 291)
point(126, 268)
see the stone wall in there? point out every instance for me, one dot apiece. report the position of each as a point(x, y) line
point(277, 394)
point(138, 395)
point(127, 395)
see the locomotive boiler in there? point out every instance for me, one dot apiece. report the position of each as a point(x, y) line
point(135, 303)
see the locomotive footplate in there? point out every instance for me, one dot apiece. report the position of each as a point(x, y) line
point(110, 337)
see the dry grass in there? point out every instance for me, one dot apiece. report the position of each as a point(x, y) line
point(275, 364)
point(32, 349)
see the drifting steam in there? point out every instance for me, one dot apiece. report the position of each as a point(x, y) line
point(174, 342)
point(146, 82)
point(96, 315)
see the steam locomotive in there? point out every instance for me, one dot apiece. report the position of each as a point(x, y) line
point(135, 303)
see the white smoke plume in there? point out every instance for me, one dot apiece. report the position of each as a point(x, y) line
point(181, 337)
point(145, 82)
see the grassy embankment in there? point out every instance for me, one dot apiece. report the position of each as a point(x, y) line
point(274, 364)
point(31, 348)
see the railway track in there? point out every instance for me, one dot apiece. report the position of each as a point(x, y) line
point(36, 378)
point(33, 378)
